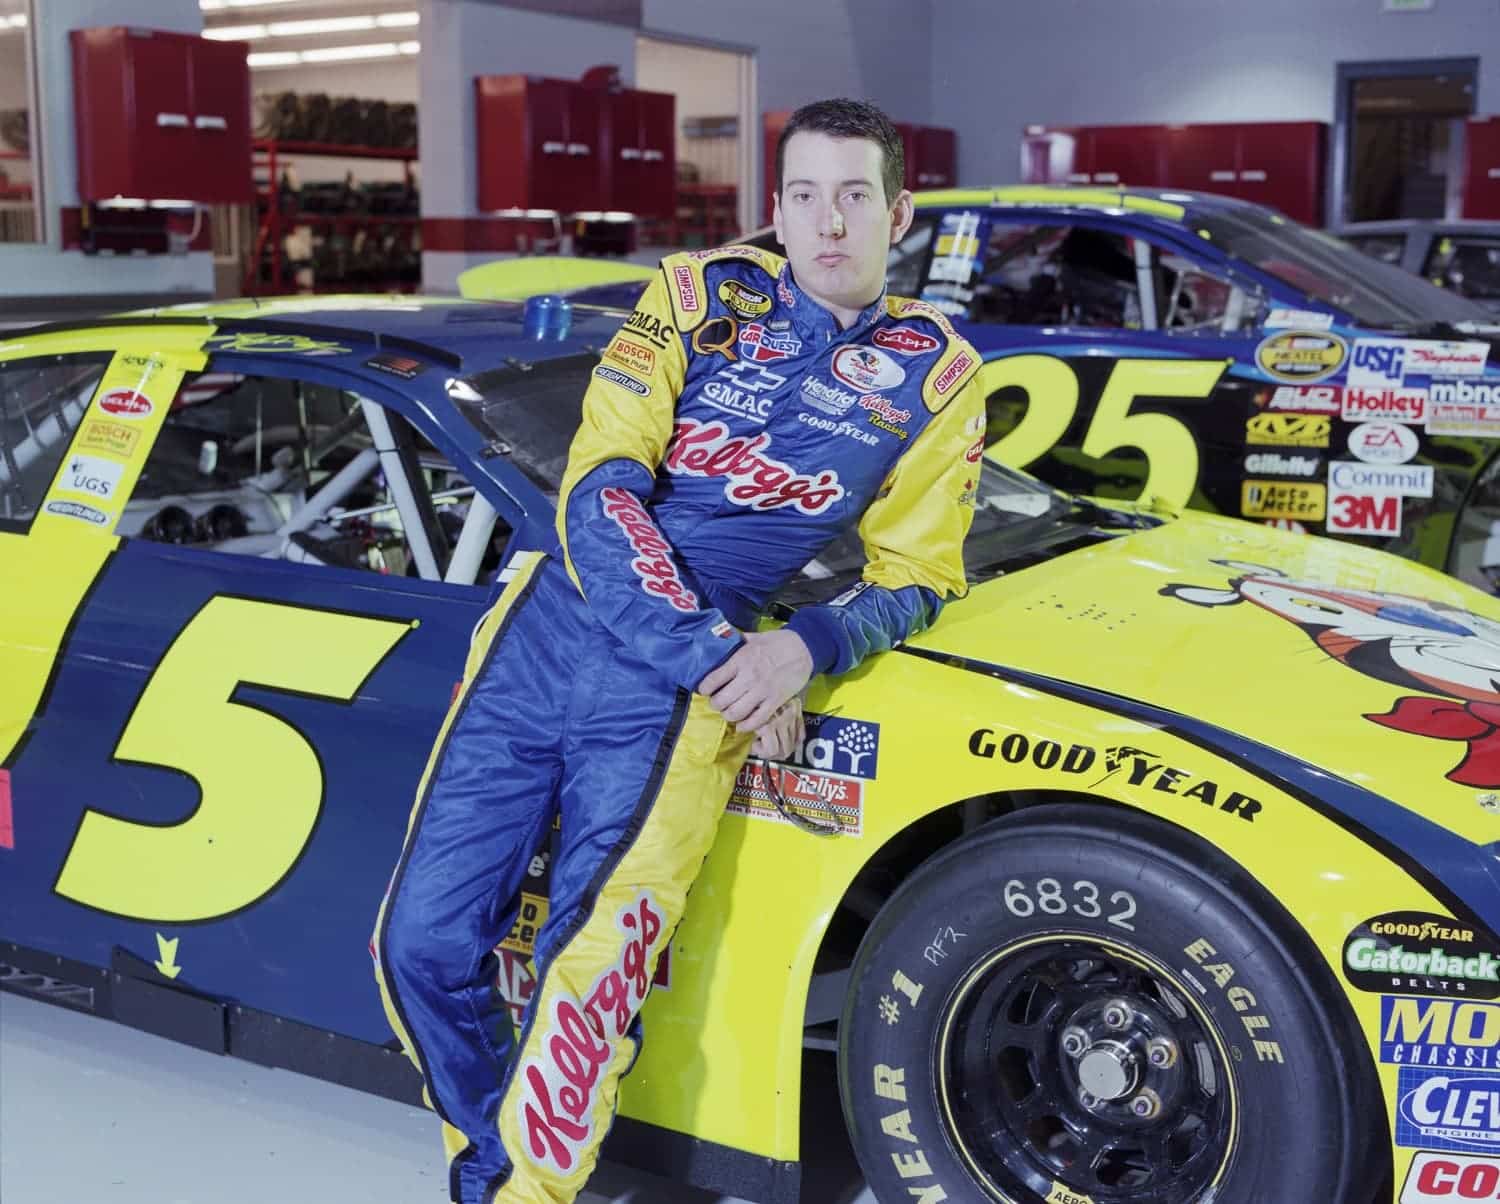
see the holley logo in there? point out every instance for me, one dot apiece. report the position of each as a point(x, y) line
point(1398, 405)
point(905, 340)
point(752, 478)
point(125, 403)
point(653, 562)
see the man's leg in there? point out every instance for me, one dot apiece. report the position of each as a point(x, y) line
point(649, 770)
point(487, 797)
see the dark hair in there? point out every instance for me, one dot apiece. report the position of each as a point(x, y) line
point(844, 118)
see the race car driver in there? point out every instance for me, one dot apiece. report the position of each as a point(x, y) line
point(748, 411)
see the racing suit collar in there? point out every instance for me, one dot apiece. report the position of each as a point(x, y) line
point(813, 320)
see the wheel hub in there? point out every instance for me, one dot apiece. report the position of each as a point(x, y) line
point(1108, 1071)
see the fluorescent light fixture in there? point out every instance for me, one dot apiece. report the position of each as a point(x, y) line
point(302, 29)
point(274, 58)
point(212, 6)
point(338, 54)
point(236, 33)
point(397, 20)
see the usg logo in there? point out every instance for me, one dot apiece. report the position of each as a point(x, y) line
point(1378, 362)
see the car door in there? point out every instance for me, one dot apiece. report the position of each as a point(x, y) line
point(218, 776)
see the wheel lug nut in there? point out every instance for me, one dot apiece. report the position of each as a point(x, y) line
point(1145, 1105)
point(1116, 1014)
point(1087, 1100)
point(1161, 1054)
point(1075, 1041)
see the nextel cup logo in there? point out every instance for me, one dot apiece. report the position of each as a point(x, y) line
point(1418, 953)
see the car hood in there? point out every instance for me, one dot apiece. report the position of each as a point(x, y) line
point(1304, 656)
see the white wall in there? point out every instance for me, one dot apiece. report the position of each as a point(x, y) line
point(706, 84)
point(998, 67)
point(44, 269)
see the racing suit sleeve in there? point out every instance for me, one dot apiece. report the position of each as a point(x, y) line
point(913, 535)
point(614, 551)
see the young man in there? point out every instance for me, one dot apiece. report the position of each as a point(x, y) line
point(750, 410)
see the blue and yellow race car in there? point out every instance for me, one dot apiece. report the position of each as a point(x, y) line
point(1161, 869)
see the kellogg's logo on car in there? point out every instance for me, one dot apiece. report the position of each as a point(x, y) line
point(905, 340)
point(126, 403)
point(653, 562)
point(752, 478)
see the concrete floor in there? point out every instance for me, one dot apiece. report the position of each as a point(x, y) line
point(94, 1111)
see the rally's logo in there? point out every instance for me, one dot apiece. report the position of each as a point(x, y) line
point(1412, 643)
point(560, 1082)
point(653, 561)
point(751, 477)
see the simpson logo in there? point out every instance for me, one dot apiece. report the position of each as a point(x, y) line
point(744, 301)
point(1396, 405)
point(1447, 359)
point(1301, 355)
point(757, 343)
point(1404, 480)
point(1445, 1178)
point(653, 561)
point(850, 747)
point(1452, 1034)
point(1415, 952)
point(91, 475)
point(866, 368)
point(1447, 1111)
point(687, 289)
point(1278, 464)
point(557, 1097)
point(1288, 430)
point(950, 375)
point(126, 403)
point(632, 355)
point(1282, 499)
point(905, 341)
point(74, 510)
point(115, 438)
point(751, 478)
point(1303, 399)
point(1383, 442)
point(808, 794)
point(1364, 513)
point(615, 377)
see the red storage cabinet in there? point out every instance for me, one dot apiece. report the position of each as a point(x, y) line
point(539, 144)
point(1280, 164)
point(1482, 168)
point(936, 158)
point(772, 123)
point(640, 145)
point(161, 116)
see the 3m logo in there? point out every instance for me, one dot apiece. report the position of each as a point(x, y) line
point(1288, 430)
point(1364, 514)
point(687, 289)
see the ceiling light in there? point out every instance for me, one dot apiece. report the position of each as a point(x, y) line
point(298, 29)
point(274, 58)
point(236, 33)
point(395, 20)
point(335, 54)
point(210, 6)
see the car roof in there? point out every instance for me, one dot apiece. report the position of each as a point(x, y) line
point(1426, 224)
point(1169, 204)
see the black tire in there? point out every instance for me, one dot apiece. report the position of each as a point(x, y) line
point(1208, 1052)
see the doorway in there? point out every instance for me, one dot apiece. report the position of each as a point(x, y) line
point(1398, 139)
point(717, 119)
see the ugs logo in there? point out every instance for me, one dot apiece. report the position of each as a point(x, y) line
point(847, 746)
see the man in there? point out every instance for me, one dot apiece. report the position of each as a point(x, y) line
point(750, 410)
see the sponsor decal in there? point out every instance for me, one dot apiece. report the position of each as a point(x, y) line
point(1364, 513)
point(687, 289)
point(867, 368)
point(1460, 407)
point(846, 428)
point(1447, 1111)
point(1383, 442)
point(851, 593)
point(1443, 1178)
point(269, 344)
point(92, 476)
point(1285, 524)
point(1288, 430)
point(1466, 391)
point(1283, 464)
point(1378, 363)
point(1397, 405)
point(87, 514)
point(632, 355)
point(844, 746)
point(829, 398)
point(724, 630)
point(950, 375)
point(652, 328)
point(975, 452)
point(809, 794)
point(1218, 967)
point(904, 340)
point(1420, 953)
point(653, 562)
point(615, 377)
point(397, 365)
point(760, 344)
point(516, 981)
point(1448, 359)
point(784, 293)
point(744, 301)
point(751, 477)
point(1301, 355)
point(1302, 399)
point(892, 416)
point(126, 403)
point(1451, 1034)
point(738, 402)
point(1416, 643)
point(717, 336)
point(147, 365)
point(529, 921)
point(1405, 480)
point(1310, 319)
point(1140, 767)
point(574, 1041)
point(1282, 499)
point(116, 438)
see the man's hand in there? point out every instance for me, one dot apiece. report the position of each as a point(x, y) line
point(769, 668)
point(783, 733)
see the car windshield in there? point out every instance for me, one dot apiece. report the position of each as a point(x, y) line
point(1330, 270)
point(528, 414)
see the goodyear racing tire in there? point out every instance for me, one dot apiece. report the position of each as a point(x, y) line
point(1081, 1004)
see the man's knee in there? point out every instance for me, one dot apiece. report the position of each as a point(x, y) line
point(421, 941)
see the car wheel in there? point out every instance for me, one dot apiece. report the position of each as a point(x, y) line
point(1079, 1006)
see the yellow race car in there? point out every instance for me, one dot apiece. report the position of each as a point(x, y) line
point(1162, 869)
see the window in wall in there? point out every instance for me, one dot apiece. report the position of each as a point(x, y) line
point(20, 206)
point(41, 404)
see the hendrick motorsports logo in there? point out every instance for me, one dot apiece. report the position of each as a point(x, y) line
point(1420, 953)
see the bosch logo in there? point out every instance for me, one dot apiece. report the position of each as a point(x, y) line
point(905, 340)
point(126, 403)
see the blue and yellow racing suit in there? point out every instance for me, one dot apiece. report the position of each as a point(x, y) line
point(730, 432)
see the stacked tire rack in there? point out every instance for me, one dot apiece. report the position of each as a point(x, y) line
point(267, 271)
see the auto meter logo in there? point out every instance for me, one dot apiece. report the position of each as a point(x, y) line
point(1443, 1178)
point(1303, 356)
point(751, 477)
point(867, 369)
point(905, 341)
point(1419, 953)
point(1383, 442)
point(1447, 1111)
point(126, 403)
